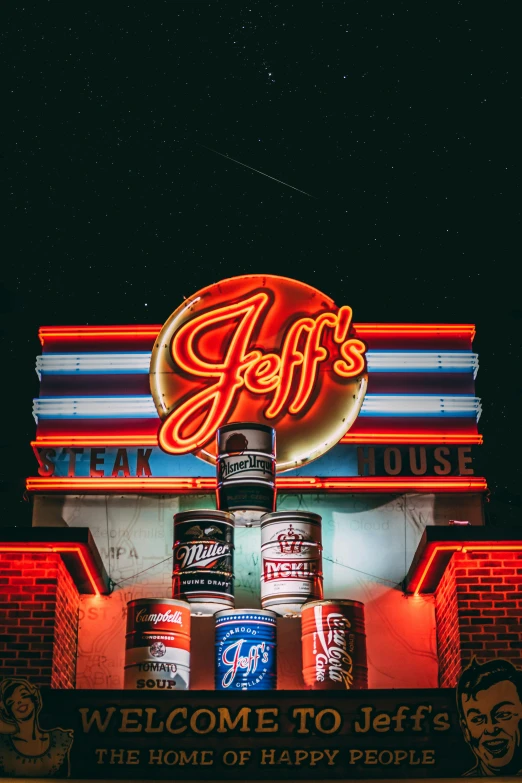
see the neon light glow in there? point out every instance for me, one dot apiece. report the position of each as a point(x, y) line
point(42, 548)
point(464, 438)
point(259, 348)
point(461, 547)
point(138, 363)
point(139, 439)
point(142, 407)
point(48, 333)
point(414, 330)
point(362, 331)
point(298, 483)
point(260, 373)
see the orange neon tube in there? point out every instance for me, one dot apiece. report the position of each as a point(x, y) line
point(302, 483)
point(360, 330)
point(55, 549)
point(390, 438)
point(462, 548)
point(406, 437)
point(436, 550)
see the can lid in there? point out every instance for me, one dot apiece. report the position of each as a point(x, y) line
point(333, 601)
point(283, 516)
point(223, 454)
point(232, 612)
point(249, 425)
point(205, 513)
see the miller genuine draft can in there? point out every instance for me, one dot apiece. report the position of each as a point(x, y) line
point(203, 572)
point(246, 468)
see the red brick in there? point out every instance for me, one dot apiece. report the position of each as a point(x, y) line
point(46, 653)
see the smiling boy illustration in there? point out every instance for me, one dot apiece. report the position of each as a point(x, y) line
point(489, 702)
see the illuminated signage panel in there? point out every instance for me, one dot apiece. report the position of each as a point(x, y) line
point(352, 403)
point(258, 348)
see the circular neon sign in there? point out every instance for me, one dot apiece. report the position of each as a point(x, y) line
point(264, 349)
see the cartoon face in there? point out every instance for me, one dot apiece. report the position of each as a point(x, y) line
point(20, 703)
point(492, 724)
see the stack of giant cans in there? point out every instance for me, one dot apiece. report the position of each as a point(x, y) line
point(158, 632)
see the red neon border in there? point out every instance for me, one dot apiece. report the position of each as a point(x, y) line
point(188, 485)
point(55, 549)
point(389, 438)
point(460, 547)
point(360, 330)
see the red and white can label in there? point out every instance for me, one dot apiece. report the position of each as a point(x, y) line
point(334, 646)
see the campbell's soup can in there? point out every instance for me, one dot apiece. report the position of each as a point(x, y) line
point(246, 643)
point(291, 561)
point(157, 645)
point(203, 555)
point(334, 645)
point(246, 469)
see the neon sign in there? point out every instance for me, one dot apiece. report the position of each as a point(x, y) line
point(258, 348)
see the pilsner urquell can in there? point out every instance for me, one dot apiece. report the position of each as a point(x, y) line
point(246, 468)
point(203, 571)
point(245, 643)
point(291, 561)
point(157, 644)
point(334, 645)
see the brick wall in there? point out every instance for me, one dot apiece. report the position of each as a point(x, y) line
point(478, 611)
point(38, 619)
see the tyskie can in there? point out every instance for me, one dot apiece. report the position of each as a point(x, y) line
point(291, 561)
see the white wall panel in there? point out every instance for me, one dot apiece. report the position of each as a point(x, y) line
point(369, 541)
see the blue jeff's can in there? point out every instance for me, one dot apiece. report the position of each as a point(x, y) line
point(246, 650)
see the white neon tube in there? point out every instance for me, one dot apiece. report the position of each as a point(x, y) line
point(134, 363)
point(142, 407)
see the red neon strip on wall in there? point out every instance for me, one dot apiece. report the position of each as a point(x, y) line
point(410, 330)
point(409, 437)
point(297, 483)
point(152, 330)
point(67, 440)
point(462, 548)
point(15, 548)
point(89, 332)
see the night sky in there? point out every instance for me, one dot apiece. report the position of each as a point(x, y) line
point(400, 119)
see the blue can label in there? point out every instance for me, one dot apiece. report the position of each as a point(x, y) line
point(245, 652)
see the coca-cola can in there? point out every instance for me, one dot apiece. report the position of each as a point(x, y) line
point(291, 561)
point(157, 644)
point(203, 572)
point(246, 469)
point(334, 645)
